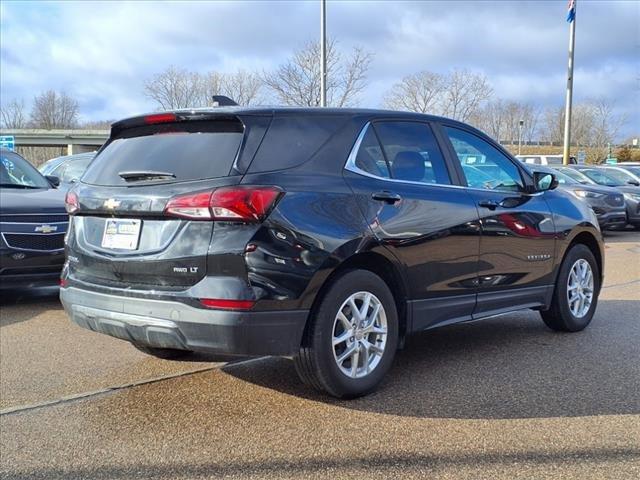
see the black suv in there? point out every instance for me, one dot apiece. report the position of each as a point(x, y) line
point(326, 235)
point(33, 223)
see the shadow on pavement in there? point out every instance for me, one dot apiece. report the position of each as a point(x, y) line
point(505, 367)
point(24, 304)
point(311, 466)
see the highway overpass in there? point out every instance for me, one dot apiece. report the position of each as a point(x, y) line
point(76, 141)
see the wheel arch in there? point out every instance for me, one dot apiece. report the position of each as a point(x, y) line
point(380, 262)
point(590, 240)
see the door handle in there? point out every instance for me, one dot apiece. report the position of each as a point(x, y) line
point(386, 197)
point(490, 204)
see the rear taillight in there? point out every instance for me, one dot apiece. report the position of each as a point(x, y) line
point(233, 204)
point(71, 203)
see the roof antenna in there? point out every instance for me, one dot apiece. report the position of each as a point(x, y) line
point(223, 101)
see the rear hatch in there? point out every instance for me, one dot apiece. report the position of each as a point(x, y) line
point(121, 234)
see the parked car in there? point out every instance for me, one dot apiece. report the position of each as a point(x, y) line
point(544, 159)
point(328, 235)
point(631, 167)
point(607, 202)
point(68, 168)
point(33, 222)
point(603, 176)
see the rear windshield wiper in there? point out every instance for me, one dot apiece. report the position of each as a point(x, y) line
point(145, 175)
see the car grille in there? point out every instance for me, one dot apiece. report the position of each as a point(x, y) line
point(43, 242)
point(615, 200)
point(34, 218)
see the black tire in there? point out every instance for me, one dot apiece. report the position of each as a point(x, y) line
point(315, 362)
point(164, 353)
point(559, 316)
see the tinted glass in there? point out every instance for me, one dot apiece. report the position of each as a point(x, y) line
point(602, 178)
point(74, 170)
point(292, 140)
point(621, 175)
point(500, 172)
point(412, 152)
point(16, 172)
point(370, 158)
point(190, 151)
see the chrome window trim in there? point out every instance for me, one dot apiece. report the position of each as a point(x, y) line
point(352, 167)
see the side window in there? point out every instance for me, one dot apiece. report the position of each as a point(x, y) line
point(484, 166)
point(412, 152)
point(370, 158)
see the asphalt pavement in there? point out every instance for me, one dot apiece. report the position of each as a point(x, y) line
point(501, 398)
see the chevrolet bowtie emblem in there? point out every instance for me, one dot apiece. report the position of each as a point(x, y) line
point(111, 203)
point(46, 229)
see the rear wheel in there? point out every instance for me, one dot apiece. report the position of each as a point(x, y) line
point(576, 292)
point(164, 353)
point(352, 337)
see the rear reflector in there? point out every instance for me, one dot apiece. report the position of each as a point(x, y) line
point(159, 118)
point(63, 283)
point(233, 204)
point(71, 203)
point(224, 304)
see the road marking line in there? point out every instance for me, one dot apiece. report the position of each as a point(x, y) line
point(103, 391)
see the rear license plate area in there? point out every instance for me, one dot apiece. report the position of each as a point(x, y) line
point(121, 234)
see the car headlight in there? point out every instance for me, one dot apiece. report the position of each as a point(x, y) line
point(586, 194)
point(632, 196)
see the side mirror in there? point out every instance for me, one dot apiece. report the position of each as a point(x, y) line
point(53, 180)
point(544, 181)
point(634, 182)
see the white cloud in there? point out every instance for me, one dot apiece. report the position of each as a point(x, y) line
point(101, 52)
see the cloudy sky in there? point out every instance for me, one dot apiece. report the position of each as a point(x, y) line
point(101, 53)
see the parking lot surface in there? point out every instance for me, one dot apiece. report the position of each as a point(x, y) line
point(502, 398)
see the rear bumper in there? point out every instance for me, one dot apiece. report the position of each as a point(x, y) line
point(170, 324)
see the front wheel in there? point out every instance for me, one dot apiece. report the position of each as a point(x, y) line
point(352, 336)
point(576, 292)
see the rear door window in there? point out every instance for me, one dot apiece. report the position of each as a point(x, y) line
point(189, 151)
point(412, 152)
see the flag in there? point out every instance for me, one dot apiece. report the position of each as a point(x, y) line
point(571, 11)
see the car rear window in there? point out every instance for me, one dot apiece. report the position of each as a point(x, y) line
point(189, 151)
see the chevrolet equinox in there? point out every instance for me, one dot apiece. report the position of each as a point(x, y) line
point(327, 235)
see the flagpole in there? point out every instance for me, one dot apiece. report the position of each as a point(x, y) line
point(569, 97)
point(323, 53)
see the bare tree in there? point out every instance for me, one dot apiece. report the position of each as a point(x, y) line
point(464, 94)
point(606, 125)
point(54, 110)
point(297, 81)
point(12, 115)
point(177, 88)
point(419, 92)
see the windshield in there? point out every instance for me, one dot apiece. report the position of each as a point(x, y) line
point(188, 151)
point(564, 179)
point(621, 175)
point(74, 170)
point(577, 176)
point(16, 172)
point(602, 178)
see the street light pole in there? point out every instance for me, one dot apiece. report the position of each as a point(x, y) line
point(569, 97)
point(520, 124)
point(323, 53)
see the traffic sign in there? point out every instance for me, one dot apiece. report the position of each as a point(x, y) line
point(611, 161)
point(8, 142)
point(582, 156)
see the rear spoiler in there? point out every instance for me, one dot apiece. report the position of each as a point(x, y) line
point(169, 117)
